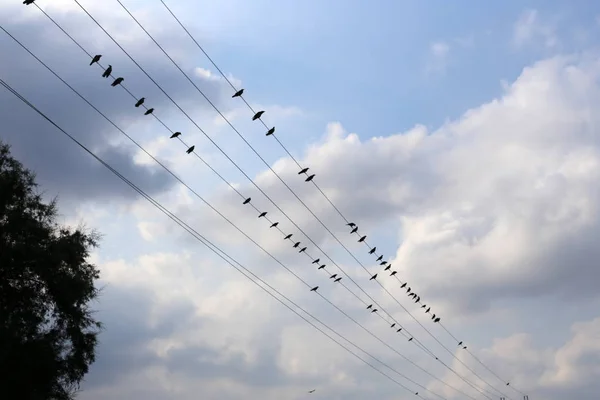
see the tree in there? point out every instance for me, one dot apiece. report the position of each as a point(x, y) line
point(48, 334)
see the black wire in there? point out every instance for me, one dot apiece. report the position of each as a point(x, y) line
point(220, 214)
point(215, 249)
point(297, 163)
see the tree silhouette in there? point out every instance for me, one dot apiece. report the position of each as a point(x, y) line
point(47, 331)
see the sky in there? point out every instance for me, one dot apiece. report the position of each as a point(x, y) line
point(463, 138)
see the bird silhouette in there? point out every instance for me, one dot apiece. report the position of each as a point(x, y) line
point(354, 230)
point(424, 305)
point(393, 325)
point(238, 93)
point(28, 2)
point(117, 81)
point(96, 59)
point(302, 250)
point(465, 347)
point(437, 319)
point(383, 263)
point(362, 239)
point(257, 115)
point(373, 277)
point(316, 261)
point(176, 134)
point(274, 224)
point(418, 299)
point(410, 340)
point(270, 131)
point(303, 171)
point(393, 273)
point(460, 343)
point(288, 236)
point(322, 266)
point(314, 289)
point(312, 391)
point(333, 276)
point(140, 102)
point(262, 214)
point(310, 178)
point(149, 111)
point(296, 244)
point(190, 149)
point(247, 200)
point(338, 279)
point(379, 258)
point(428, 309)
point(403, 285)
point(388, 267)
point(372, 250)
point(107, 71)
point(408, 290)
point(398, 330)
point(374, 310)
point(433, 316)
point(369, 306)
point(351, 224)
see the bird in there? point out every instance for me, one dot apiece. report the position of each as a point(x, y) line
point(424, 305)
point(149, 111)
point(270, 131)
point(96, 59)
point(418, 299)
point(372, 250)
point(322, 266)
point(312, 391)
point(362, 239)
point(274, 224)
point(433, 316)
point(296, 244)
point(333, 276)
point(303, 171)
point(383, 263)
point(247, 200)
point(354, 230)
point(410, 340)
point(388, 267)
point(117, 81)
point(373, 277)
point(428, 309)
point(190, 149)
point(338, 279)
point(257, 115)
point(393, 273)
point(107, 71)
point(351, 224)
point(238, 93)
point(408, 290)
point(393, 325)
point(437, 319)
point(369, 306)
point(398, 330)
point(310, 178)
point(507, 383)
point(374, 310)
point(314, 289)
point(379, 258)
point(262, 214)
point(28, 2)
point(403, 285)
point(464, 347)
point(302, 250)
point(460, 343)
point(316, 261)
point(176, 134)
point(288, 236)
point(140, 102)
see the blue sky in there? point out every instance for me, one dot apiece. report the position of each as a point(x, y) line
point(474, 168)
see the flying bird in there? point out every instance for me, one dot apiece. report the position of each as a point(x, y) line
point(149, 111)
point(274, 224)
point(303, 171)
point(117, 81)
point(333, 276)
point(373, 277)
point(96, 59)
point(176, 134)
point(270, 131)
point(302, 250)
point(288, 236)
point(310, 178)
point(190, 149)
point(247, 200)
point(362, 239)
point(140, 102)
point(107, 72)
point(322, 266)
point(296, 244)
point(393, 273)
point(373, 250)
point(262, 214)
point(338, 279)
point(238, 93)
point(314, 289)
point(354, 230)
point(257, 115)
point(316, 261)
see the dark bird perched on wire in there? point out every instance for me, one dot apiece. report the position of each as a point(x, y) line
point(354, 230)
point(437, 319)
point(190, 149)
point(403, 285)
point(333, 276)
point(288, 236)
point(374, 310)
point(296, 244)
point(379, 258)
point(140, 102)
point(393, 325)
point(433, 316)
point(338, 279)
point(418, 299)
point(372, 250)
point(257, 115)
point(314, 289)
point(28, 2)
point(408, 290)
point(107, 71)
point(410, 340)
point(274, 224)
point(388, 267)
point(117, 81)
point(316, 261)
point(322, 266)
point(176, 134)
point(262, 214)
point(373, 277)
point(428, 309)
point(270, 131)
point(303, 171)
point(383, 263)
point(362, 239)
point(247, 200)
point(96, 59)
point(398, 330)
point(302, 250)
point(238, 93)
point(369, 306)
point(393, 273)
point(310, 178)
point(464, 347)
point(149, 111)
point(424, 305)
point(460, 343)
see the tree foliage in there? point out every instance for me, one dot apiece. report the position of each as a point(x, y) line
point(47, 331)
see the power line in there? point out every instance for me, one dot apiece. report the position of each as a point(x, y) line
point(298, 164)
point(215, 249)
point(229, 221)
